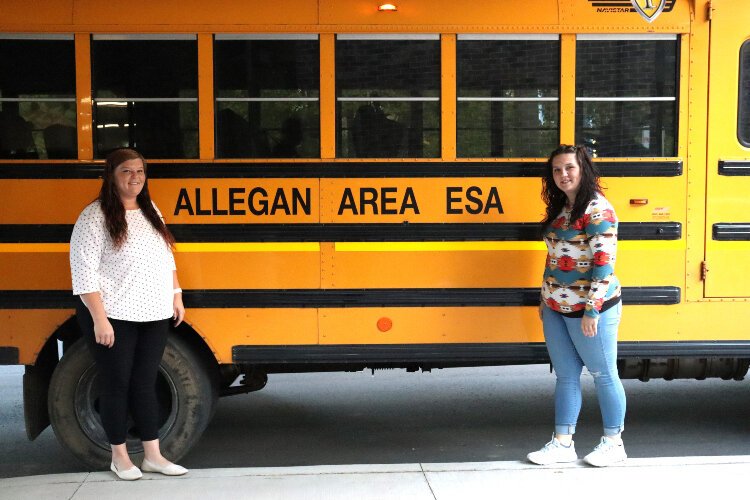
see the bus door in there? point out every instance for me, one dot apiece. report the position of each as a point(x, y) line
point(728, 175)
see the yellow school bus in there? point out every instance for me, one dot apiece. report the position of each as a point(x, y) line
point(357, 185)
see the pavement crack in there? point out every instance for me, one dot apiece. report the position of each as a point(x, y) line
point(79, 487)
point(424, 474)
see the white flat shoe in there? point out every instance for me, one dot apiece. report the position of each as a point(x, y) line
point(130, 474)
point(167, 470)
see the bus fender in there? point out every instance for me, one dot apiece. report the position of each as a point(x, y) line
point(36, 380)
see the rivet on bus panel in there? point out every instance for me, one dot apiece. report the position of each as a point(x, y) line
point(384, 324)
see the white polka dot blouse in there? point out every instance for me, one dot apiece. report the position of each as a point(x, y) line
point(135, 281)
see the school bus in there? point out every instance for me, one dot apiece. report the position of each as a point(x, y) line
point(354, 185)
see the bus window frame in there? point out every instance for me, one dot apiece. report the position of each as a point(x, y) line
point(339, 100)
point(127, 100)
point(66, 37)
point(218, 37)
point(743, 99)
point(677, 38)
point(509, 37)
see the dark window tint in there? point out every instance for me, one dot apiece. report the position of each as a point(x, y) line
point(145, 68)
point(266, 68)
point(267, 97)
point(145, 96)
point(37, 98)
point(626, 95)
point(626, 68)
point(743, 124)
point(388, 97)
point(508, 96)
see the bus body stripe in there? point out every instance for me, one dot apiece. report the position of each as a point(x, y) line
point(381, 246)
point(286, 233)
point(335, 170)
point(489, 353)
point(337, 298)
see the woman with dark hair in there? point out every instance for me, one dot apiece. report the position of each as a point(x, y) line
point(580, 304)
point(124, 272)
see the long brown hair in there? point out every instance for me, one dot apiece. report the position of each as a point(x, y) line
point(555, 199)
point(114, 210)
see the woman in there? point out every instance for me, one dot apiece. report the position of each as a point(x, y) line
point(124, 272)
point(580, 307)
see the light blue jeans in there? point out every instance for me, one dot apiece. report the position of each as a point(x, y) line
point(569, 351)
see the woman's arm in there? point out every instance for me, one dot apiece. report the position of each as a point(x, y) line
point(103, 331)
point(86, 250)
point(179, 309)
point(601, 229)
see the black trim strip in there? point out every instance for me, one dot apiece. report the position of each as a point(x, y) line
point(8, 355)
point(734, 168)
point(520, 231)
point(35, 233)
point(714, 348)
point(640, 168)
point(731, 231)
point(215, 233)
point(467, 353)
point(333, 170)
point(73, 170)
point(398, 353)
point(317, 298)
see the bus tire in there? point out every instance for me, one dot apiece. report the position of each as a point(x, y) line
point(187, 393)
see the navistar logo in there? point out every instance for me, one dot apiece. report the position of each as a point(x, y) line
point(647, 9)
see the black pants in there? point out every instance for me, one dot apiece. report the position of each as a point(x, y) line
point(127, 374)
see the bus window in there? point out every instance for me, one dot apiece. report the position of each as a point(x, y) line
point(388, 96)
point(37, 97)
point(743, 113)
point(267, 96)
point(508, 95)
point(145, 90)
point(626, 94)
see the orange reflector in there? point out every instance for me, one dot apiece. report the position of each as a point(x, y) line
point(385, 324)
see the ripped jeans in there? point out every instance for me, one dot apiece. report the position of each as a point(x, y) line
point(569, 351)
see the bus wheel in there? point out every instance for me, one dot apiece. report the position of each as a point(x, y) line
point(186, 389)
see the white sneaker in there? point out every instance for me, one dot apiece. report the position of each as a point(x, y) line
point(553, 452)
point(607, 452)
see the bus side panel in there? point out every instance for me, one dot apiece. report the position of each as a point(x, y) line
point(222, 268)
point(32, 267)
point(40, 201)
point(430, 325)
point(29, 329)
point(224, 328)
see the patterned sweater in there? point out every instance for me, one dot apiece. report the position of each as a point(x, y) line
point(579, 273)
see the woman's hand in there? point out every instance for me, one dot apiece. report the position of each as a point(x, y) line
point(104, 334)
point(588, 325)
point(179, 309)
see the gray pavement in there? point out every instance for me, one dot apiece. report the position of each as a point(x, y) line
point(693, 477)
